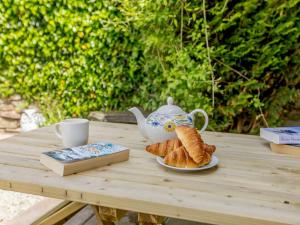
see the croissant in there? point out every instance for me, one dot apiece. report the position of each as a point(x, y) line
point(209, 148)
point(192, 142)
point(180, 158)
point(206, 159)
point(162, 149)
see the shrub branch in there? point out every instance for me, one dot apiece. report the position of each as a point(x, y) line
point(208, 54)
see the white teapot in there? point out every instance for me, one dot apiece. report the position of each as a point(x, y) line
point(160, 125)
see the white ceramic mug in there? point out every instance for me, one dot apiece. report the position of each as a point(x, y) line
point(73, 132)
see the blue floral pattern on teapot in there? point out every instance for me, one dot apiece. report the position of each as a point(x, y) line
point(169, 122)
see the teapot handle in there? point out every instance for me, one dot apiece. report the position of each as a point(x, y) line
point(205, 116)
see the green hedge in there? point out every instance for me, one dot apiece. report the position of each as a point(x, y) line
point(239, 60)
point(69, 56)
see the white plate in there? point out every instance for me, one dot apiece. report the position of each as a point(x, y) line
point(214, 161)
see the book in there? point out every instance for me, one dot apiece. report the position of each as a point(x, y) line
point(285, 149)
point(281, 135)
point(77, 159)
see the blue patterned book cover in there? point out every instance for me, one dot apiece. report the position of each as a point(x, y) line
point(69, 155)
point(281, 135)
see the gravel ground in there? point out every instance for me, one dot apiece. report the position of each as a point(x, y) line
point(12, 203)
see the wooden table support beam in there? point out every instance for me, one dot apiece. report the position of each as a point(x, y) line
point(99, 219)
point(109, 216)
point(148, 219)
point(62, 214)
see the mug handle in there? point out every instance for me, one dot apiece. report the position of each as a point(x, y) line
point(57, 130)
point(205, 116)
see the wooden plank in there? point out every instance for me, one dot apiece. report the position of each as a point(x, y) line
point(113, 117)
point(110, 214)
point(38, 212)
point(62, 214)
point(148, 219)
point(200, 184)
point(113, 172)
point(250, 186)
point(81, 217)
point(204, 186)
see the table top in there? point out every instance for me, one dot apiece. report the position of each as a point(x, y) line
point(251, 185)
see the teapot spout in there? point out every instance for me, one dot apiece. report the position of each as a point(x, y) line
point(140, 120)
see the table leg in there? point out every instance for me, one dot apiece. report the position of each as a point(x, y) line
point(107, 215)
point(99, 218)
point(148, 219)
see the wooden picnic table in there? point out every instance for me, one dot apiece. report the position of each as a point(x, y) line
point(251, 185)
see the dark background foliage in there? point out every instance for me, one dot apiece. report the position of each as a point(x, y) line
point(238, 60)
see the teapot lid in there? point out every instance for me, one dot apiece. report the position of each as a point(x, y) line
point(170, 108)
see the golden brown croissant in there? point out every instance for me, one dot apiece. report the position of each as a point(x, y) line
point(192, 142)
point(206, 159)
point(162, 149)
point(180, 158)
point(209, 148)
